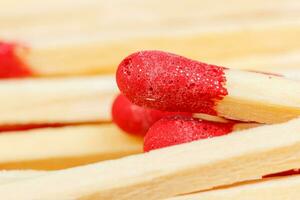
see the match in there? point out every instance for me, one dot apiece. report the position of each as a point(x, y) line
point(65, 147)
point(172, 171)
point(169, 82)
point(56, 100)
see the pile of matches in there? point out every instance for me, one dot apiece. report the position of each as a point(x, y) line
point(164, 127)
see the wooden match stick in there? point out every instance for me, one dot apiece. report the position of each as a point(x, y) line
point(174, 130)
point(290, 73)
point(58, 148)
point(201, 165)
point(259, 97)
point(169, 82)
point(8, 176)
point(269, 62)
point(70, 146)
point(56, 100)
point(238, 125)
point(274, 188)
point(85, 55)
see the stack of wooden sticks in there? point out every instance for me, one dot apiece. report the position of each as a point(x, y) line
point(57, 120)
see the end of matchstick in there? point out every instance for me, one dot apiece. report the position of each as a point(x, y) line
point(11, 66)
point(175, 130)
point(134, 119)
point(170, 82)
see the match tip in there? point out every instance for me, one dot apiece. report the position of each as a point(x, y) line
point(182, 129)
point(11, 66)
point(134, 119)
point(169, 82)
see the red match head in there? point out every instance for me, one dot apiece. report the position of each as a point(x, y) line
point(134, 119)
point(169, 82)
point(11, 66)
point(181, 129)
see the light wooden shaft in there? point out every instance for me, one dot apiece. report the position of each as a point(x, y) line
point(200, 165)
point(59, 148)
point(275, 189)
point(56, 100)
point(8, 176)
point(97, 56)
point(259, 98)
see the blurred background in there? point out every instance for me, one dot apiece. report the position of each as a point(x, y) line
point(68, 37)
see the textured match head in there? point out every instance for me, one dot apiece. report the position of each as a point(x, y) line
point(170, 82)
point(11, 66)
point(175, 130)
point(134, 119)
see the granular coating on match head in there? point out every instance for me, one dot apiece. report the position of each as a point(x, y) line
point(166, 81)
point(11, 66)
point(181, 129)
point(134, 119)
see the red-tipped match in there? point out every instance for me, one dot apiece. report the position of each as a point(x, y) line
point(11, 66)
point(169, 82)
point(134, 119)
point(181, 129)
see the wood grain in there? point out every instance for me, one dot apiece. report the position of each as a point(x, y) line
point(59, 148)
point(56, 100)
point(181, 169)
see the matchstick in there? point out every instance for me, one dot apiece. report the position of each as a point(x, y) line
point(197, 166)
point(269, 62)
point(56, 100)
point(178, 129)
point(169, 82)
point(99, 56)
point(290, 73)
point(58, 148)
point(8, 176)
point(238, 125)
point(274, 188)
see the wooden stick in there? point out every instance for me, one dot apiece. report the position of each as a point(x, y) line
point(259, 97)
point(201, 165)
point(290, 73)
point(99, 56)
point(8, 176)
point(54, 11)
point(57, 100)
point(275, 189)
point(237, 125)
point(169, 82)
point(286, 64)
point(58, 148)
point(269, 62)
point(88, 143)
